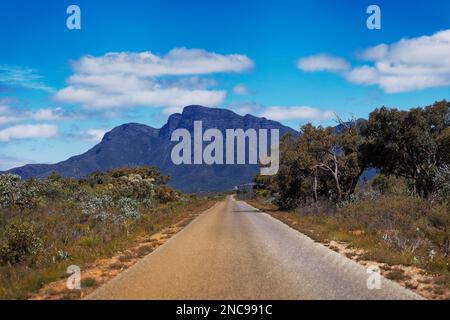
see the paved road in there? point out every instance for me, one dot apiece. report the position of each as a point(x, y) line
point(233, 251)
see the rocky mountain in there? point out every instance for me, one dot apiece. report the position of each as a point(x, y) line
point(136, 144)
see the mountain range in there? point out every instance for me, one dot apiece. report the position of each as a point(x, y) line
point(135, 144)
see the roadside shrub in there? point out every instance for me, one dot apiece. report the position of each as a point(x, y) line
point(389, 184)
point(134, 186)
point(442, 183)
point(438, 228)
point(98, 207)
point(147, 203)
point(15, 192)
point(128, 208)
point(165, 194)
point(19, 241)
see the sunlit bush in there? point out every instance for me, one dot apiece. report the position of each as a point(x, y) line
point(442, 183)
point(15, 192)
point(19, 241)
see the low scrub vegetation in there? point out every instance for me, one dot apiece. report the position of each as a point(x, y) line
point(47, 225)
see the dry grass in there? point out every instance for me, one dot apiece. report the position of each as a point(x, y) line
point(357, 232)
point(22, 280)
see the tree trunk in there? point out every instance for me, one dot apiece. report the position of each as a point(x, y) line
point(315, 186)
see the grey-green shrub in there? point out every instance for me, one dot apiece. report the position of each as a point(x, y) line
point(20, 240)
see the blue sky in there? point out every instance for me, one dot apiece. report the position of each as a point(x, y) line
point(294, 61)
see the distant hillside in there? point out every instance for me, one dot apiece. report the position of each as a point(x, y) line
point(136, 144)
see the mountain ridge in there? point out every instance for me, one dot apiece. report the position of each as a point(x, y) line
point(136, 144)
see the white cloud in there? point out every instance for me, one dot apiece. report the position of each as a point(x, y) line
point(10, 115)
point(6, 116)
point(56, 114)
point(322, 62)
point(24, 77)
point(179, 61)
point(96, 98)
point(296, 113)
point(28, 131)
point(406, 65)
point(93, 135)
point(127, 79)
point(241, 90)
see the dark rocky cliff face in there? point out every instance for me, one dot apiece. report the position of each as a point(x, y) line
point(136, 144)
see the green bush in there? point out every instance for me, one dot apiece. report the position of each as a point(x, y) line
point(442, 183)
point(389, 184)
point(438, 228)
point(19, 241)
point(15, 192)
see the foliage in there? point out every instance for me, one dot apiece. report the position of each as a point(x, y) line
point(16, 193)
point(19, 240)
point(410, 148)
point(438, 229)
point(321, 163)
point(410, 144)
point(389, 184)
point(112, 197)
point(441, 182)
point(49, 224)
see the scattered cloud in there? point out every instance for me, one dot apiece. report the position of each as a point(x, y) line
point(179, 61)
point(10, 115)
point(407, 65)
point(50, 114)
point(297, 113)
point(240, 90)
point(22, 77)
point(28, 131)
point(127, 79)
point(283, 113)
point(323, 62)
point(6, 116)
point(93, 135)
point(100, 98)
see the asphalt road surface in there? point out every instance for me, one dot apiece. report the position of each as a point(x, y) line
point(234, 251)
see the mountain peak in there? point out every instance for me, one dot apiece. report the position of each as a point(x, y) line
point(131, 128)
point(199, 111)
point(135, 144)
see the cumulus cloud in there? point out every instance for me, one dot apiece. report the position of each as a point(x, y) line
point(100, 98)
point(322, 62)
point(10, 115)
point(56, 114)
point(22, 77)
point(93, 135)
point(127, 79)
point(282, 113)
point(28, 131)
point(406, 65)
point(179, 61)
point(6, 116)
point(279, 113)
point(241, 90)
